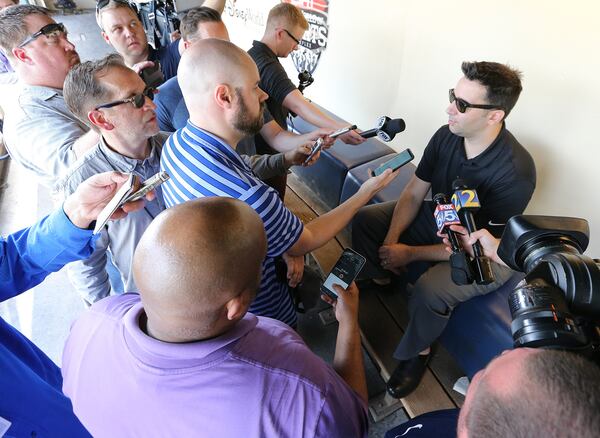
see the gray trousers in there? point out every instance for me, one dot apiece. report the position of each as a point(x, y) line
point(434, 295)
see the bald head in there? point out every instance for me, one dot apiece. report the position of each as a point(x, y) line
point(209, 63)
point(193, 262)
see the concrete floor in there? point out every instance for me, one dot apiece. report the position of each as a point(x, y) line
point(45, 313)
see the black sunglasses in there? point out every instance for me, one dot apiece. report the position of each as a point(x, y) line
point(292, 36)
point(101, 4)
point(462, 105)
point(137, 101)
point(49, 30)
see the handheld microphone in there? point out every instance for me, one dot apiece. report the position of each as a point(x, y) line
point(445, 215)
point(386, 129)
point(466, 203)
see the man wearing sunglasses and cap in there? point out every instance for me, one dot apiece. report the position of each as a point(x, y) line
point(113, 100)
point(40, 132)
point(475, 146)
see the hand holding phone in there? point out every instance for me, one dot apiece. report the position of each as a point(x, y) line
point(126, 194)
point(343, 273)
point(404, 157)
point(316, 148)
point(342, 131)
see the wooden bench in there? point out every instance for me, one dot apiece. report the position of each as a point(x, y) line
point(381, 329)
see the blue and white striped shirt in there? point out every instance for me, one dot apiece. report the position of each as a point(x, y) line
point(201, 164)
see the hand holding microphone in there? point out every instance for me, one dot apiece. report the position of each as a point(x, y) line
point(445, 217)
point(386, 129)
point(466, 204)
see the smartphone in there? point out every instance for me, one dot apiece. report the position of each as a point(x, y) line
point(147, 186)
point(316, 148)
point(152, 76)
point(344, 272)
point(342, 131)
point(114, 203)
point(406, 156)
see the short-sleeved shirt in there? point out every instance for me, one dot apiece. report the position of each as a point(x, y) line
point(275, 82)
point(39, 132)
point(168, 57)
point(503, 175)
point(172, 114)
point(259, 379)
point(200, 164)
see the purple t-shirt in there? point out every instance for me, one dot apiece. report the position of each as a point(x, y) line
point(257, 380)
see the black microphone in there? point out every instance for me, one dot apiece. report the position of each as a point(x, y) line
point(386, 129)
point(445, 215)
point(466, 203)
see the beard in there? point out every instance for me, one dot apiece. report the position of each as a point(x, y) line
point(243, 120)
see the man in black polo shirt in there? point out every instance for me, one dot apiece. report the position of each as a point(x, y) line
point(477, 147)
point(284, 30)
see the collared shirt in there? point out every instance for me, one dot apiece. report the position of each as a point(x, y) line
point(32, 403)
point(503, 175)
point(168, 58)
point(201, 164)
point(172, 114)
point(275, 82)
point(119, 238)
point(39, 132)
point(259, 379)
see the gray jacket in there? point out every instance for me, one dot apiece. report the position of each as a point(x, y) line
point(39, 132)
point(119, 238)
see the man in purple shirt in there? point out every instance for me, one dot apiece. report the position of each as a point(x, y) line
point(184, 358)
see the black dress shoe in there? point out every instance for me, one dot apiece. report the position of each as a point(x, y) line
point(407, 375)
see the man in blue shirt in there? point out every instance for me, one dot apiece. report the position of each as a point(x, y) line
point(32, 403)
point(225, 106)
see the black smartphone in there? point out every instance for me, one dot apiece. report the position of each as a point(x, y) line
point(344, 272)
point(406, 156)
point(152, 76)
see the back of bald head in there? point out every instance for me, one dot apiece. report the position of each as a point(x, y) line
point(208, 63)
point(195, 257)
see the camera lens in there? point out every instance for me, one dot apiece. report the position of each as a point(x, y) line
point(541, 318)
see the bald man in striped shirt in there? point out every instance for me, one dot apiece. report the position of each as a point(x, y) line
point(225, 105)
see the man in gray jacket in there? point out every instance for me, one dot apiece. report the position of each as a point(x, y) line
point(114, 101)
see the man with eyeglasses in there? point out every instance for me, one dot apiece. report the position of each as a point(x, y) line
point(114, 101)
point(123, 30)
point(40, 132)
point(284, 30)
point(172, 113)
point(475, 146)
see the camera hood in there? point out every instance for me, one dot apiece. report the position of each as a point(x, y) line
point(526, 233)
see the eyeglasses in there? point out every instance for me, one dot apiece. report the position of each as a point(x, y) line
point(292, 36)
point(52, 30)
point(137, 101)
point(462, 105)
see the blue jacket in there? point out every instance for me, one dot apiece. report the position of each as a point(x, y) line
point(31, 399)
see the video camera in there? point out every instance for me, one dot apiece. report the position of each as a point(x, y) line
point(557, 305)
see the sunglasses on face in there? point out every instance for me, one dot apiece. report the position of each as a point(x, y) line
point(101, 4)
point(52, 30)
point(462, 105)
point(292, 36)
point(137, 101)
